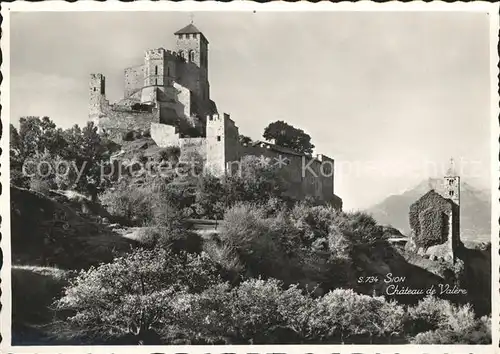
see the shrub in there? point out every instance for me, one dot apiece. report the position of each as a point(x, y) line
point(360, 228)
point(313, 221)
point(210, 198)
point(177, 240)
point(40, 185)
point(170, 153)
point(143, 204)
point(343, 313)
point(128, 136)
point(129, 202)
point(429, 314)
point(224, 255)
point(206, 318)
point(266, 246)
point(438, 321)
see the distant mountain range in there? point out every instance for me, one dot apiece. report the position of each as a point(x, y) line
point(475, 209)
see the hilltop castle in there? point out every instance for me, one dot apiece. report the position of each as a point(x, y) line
point(168, 97)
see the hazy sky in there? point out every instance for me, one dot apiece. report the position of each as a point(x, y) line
point(390, 96)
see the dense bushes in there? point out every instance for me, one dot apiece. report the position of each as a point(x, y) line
point(437, 321)
point(151, 201)
point(163, 298)
point(304, 242)
point(133, 295)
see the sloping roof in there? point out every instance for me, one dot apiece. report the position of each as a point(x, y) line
point(191, 29)
point(188, 29)
point(276, 148)
point(433, 196)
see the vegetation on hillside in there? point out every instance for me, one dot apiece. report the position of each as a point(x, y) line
point(276, 271)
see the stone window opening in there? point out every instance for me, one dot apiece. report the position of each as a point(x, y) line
point(191, 55)
point(452, 193)
point(156, 69)
point(218, 137)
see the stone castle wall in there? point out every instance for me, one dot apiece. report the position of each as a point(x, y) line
point(303, 175)
point(134, 80)
point(116, 123)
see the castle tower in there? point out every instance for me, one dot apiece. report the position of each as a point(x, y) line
point(222, 143)
point(192, 47)
point(97, 92)
point(159, 68)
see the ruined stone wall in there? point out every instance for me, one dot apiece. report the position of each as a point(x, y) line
point(326, 174)
point(116, 123)
point(194, 150)
point(134, 80)
point(164, 135)
point(232, 145)
point(183, 96)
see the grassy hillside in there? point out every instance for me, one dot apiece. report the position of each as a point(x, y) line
point(34, 289)
point(48, 232)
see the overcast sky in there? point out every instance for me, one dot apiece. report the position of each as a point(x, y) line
point(387, 95)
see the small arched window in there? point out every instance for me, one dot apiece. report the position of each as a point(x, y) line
point(191, 55)
point(156, 69)
point(181, 54)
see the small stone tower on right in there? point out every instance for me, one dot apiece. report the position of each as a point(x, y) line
point(452, 192)
point(452, 184)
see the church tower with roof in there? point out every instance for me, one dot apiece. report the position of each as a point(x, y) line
point(192, 47)
point(452, 184)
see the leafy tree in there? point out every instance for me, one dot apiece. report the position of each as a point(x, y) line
point(16, 159)
point(244, 139)
point(134, 298)
point(89, 151)
point(438, 321)
point(343, 313)
point(210, 197)
point(288, 136)
point(255, 182)
point(40, 135)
